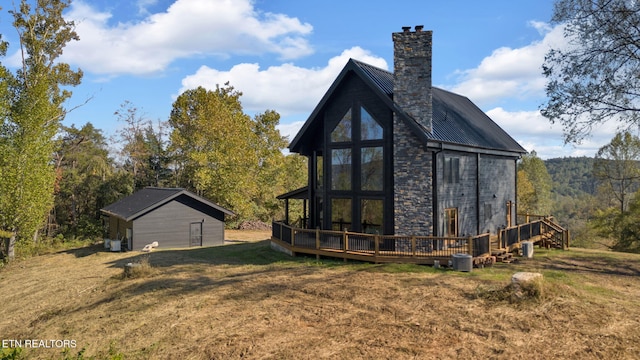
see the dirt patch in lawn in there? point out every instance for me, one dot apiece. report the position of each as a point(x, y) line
point(243, 300)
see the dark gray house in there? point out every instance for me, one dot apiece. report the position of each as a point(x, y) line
point(390, 154)
point(174, 217)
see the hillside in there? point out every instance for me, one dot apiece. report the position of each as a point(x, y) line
point(244, 300)
point(572, 176)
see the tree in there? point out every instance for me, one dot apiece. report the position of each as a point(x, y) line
point(144, 150)
point(268, 147)
point(594, 79)
point(534, 185)
point(32, 110)
point(212, 145)
point(82, 165)
point(616, 168)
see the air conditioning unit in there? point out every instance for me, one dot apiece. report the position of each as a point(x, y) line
point(527, 249)
point(462, 262)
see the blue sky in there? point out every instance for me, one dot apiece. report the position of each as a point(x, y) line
point(284, 54)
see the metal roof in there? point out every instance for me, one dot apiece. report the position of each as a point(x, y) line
point(455, 119)
point(149, 198)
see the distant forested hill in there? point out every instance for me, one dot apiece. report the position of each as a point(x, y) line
point(572, 176)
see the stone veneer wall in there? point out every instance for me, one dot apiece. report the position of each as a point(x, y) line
point(412, 72)
point(412, 163)
point(413, 183)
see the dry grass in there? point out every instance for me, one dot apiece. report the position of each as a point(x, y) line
point(243, 300)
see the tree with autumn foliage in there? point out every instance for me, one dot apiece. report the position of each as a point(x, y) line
point(31, 108)
point(220, 152)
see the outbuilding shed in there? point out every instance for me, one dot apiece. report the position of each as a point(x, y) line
point(173, 217)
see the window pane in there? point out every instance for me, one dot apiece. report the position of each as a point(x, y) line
point(372, 168)
point(319, 171)
point(340, 214)
point(342, 131)
point(369, 127)
point(371, 213)
point(341, 169)
point(451, 170)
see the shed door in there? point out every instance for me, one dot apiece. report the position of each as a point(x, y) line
point(196, 234)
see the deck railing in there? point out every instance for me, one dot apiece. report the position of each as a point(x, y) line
point(414, 249)
point(543, 231)
point(378, 248)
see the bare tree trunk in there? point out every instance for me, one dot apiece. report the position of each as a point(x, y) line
point(10, 244)
point(35, 236)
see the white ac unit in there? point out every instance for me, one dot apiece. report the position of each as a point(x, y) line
point(527, 249)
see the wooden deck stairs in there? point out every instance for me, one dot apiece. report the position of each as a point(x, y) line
point(503, 256)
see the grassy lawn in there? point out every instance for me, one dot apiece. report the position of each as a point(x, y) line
point(244, 300)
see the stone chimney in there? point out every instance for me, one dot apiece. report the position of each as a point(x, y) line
point(412, 72)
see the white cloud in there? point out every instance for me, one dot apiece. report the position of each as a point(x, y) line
point(287, 88)
point(510, 73)
point(534, 132)
point(187, 28)
point(291, 129)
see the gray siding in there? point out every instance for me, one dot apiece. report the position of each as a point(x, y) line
point(497, 187)
point(461, 195)
point(169, 226)
point(486, 184)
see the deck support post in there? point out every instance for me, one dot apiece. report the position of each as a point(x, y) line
point(470, 245)
point(317, 242)
point(345, 238)
point(376, 247)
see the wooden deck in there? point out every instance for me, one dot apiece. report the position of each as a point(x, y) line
point(484, 248)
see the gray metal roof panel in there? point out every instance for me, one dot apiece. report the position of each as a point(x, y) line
point(455, 118)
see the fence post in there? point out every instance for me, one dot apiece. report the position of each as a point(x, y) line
point(376, 246)
point(345, 238)
point(317, 242)
point(470, 245)
point(413, 246)
point(293, 236)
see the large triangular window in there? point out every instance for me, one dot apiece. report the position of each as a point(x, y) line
point(342, 131)
point(369, 127)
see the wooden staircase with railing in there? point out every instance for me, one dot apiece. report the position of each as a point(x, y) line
point(544, 232)
point(555, 236)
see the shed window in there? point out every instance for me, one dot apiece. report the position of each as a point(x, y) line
point(342, 131)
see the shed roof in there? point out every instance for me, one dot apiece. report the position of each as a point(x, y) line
point(455, 120)
point(149, 198)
